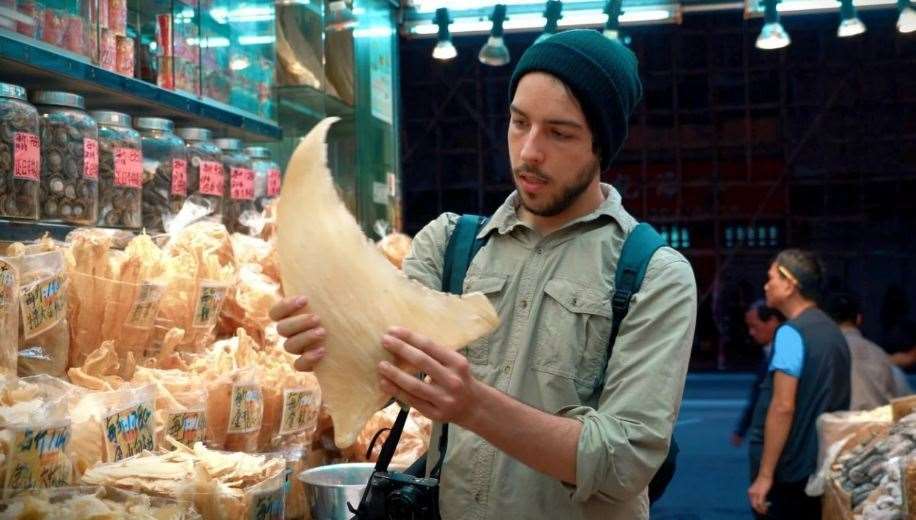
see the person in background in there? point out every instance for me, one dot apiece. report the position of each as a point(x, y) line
point(809, 374)
point(873, 381)
point(762, 322)
point(898, 331)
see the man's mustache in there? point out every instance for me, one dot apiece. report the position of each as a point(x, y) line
point(531, 171)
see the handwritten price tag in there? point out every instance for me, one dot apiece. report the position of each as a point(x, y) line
point(42, 305)
point(209, 302)
point(211, 178)
point(26, 156)
point(128, 167)
point(91, 159)
point(186, 427)
point(241, 183)
point(273, 183)
point(268, 505)
point(38, 459)
point(9, 279)
point(298, 405)
point(180, 177)
point(143, 312)
point(246, 409)
point(129, 432)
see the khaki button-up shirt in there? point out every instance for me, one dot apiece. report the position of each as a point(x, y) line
point(550, 351)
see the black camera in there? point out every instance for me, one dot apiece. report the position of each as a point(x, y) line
point(399, 496)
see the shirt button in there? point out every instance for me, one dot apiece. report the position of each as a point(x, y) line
point(539, 251)
point(524, 304)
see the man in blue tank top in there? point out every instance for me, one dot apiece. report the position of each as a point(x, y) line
point(809, 374)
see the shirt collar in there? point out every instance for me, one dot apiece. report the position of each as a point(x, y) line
point(505, 219)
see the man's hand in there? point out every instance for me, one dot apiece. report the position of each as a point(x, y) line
point(758, 492)
point(302, 330)
point(447, 394)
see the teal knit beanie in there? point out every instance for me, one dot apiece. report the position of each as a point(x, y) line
point(600, 72)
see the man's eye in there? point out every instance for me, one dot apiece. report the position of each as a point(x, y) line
point(561, 135)
point(519, 124)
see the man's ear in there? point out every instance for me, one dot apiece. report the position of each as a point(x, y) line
point(859, 319)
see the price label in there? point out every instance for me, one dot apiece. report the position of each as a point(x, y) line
point(268, 505)
point(91, 159)
point(273, 182)
point(180, 177)
point(38, 459)
point(128, 167)
point(129, 432)
point(42, 304)
point(9, 279)
point(298, 409)
point(186, 427)
point(241, 183)
point(246, 409)
point(143, 312)
point(26, 157)
point(209, 303)
point(211, 178)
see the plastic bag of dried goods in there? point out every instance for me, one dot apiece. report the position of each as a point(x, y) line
point(235, 409)
point(9, 317)
point(43, 332)
point(291, 403)
point(93, 502)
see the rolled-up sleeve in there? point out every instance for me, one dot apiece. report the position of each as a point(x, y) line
point(425, 260)
point(625, 440)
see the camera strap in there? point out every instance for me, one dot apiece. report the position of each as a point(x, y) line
point(391, 443)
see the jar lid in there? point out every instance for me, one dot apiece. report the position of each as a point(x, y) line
point(59, 98)
point(258, 152)
point(107, 117)
point(228, 144)
point(12, 91)
point(195, 134)
point(154, 123)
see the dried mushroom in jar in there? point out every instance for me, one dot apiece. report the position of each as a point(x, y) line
point(120, 171)
point(20, 159)
point(165, 172)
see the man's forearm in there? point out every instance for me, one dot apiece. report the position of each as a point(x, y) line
point(776, 431)
point(544, 442)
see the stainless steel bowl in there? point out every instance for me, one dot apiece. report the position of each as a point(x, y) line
point(329, 488)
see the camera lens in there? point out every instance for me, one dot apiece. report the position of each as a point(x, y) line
point(402, 504)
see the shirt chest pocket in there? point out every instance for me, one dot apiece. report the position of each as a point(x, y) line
point(573, 341)
point(493, 286)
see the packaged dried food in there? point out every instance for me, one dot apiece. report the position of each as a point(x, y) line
point(165, 172)
point(20, 154)
point(205, 167)
point(235, 409)
point(120, 171)
point(238, 206)
point(93, 502)
point(70, 158)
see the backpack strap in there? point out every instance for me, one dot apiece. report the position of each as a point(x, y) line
point(462, 246)
point(638, 249)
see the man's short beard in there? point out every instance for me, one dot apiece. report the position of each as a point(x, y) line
point(568, 196)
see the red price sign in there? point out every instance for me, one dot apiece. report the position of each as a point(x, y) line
point(128, 167)
point(211, 178)
point(273, 183)
point(91, 159)
point(242, 183)
point(179, 177)
point(26, 157)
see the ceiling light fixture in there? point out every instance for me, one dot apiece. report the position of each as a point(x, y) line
point(444, 49)
point(495, 52)
point(773, 35)
point(552, 13)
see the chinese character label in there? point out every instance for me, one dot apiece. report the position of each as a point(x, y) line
point(186, 427)
point(26, 156)
point(297, 404)
point(38, 459)
point(143, 312)
point(241, 183)
point(209, 303)
point(91, 159)
point(128, 167)
point(269, 505)
point(211, 178)
point(179, 177)
point(42, 305)
point(246, 410)
point(9, 279)
point(273, 182)
point(129, 432)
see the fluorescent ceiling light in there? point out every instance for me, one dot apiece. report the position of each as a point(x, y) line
point(251, 39)
point(796, 6)
point(586, 18)
point(209, 43)
point(243, 14)
point(374, 32)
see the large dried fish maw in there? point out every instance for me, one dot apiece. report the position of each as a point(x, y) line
point(355, 290)
point(248, 303)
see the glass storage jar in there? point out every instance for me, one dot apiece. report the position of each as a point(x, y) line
point(69, 158)
point(120, 171)
point(165, 171)
point(205, 167)
point(239, 185)
point(266, 176)
point(20, 154)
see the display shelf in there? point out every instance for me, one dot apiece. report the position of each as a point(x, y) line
point(34, 64)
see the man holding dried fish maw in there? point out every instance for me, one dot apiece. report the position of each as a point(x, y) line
point(543, 423)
